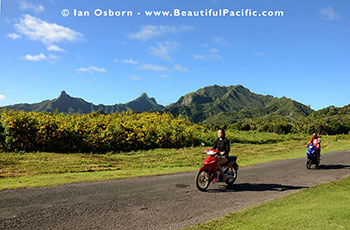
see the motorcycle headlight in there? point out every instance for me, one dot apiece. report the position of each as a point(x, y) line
point(211, 152)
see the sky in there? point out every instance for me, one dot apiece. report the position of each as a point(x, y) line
point(303, 54)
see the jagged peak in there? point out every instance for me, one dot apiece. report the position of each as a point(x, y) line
point(239, 86)
point(144, 95)
point(64, 93)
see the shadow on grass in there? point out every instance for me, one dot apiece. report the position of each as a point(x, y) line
point(256, 188)
point(327, 167)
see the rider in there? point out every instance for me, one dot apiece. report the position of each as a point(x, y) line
point(223, 146)
point(316, 141)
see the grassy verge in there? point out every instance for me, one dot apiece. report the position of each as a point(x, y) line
point(18, 170)
point(321, 207)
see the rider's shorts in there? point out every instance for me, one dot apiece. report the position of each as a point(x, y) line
point(223, 156)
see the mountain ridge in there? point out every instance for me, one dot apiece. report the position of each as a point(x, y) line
point(68, 104)
point(211, 104)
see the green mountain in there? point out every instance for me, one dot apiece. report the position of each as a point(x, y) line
point(212, 104)
point(221, 104)
point(331, 111)
point(144, 103)
point(67, 104)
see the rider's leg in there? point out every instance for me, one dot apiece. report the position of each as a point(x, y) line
point(220, 162)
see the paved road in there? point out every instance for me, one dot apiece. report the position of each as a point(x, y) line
point(160, 202)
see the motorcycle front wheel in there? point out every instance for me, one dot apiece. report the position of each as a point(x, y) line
point(203, 180)
point(308, 163)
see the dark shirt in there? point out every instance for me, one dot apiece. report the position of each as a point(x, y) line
point(222, 145)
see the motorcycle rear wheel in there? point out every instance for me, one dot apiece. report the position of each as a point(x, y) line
point(231, 172)
point(203, 180)
point(317, 164)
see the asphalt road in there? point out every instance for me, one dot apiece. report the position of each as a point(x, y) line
point(160, 202)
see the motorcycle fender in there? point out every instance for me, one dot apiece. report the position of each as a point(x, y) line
point(210, 169)
point(205, 167)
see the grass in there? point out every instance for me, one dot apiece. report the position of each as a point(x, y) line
point(325, 206)
point(18, 170)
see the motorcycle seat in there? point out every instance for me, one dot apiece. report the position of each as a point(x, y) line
point(232, 158)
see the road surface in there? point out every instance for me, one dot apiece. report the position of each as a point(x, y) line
point(160, 202)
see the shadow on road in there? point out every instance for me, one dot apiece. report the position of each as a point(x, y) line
point(255, 187)
point(326, 167)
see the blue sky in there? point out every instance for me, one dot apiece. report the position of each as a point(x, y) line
point(303, 55)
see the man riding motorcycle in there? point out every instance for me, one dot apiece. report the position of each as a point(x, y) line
point(316, 141)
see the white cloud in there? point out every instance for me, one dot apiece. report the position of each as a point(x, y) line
point(150, 31)
point(134, 77)
point(48, 33)
point(55, 48)
point(29, 6)
point(220, 41)
point(212, 53)
point(130, 61)
point(38, 57)
point(329, 14)
point(163, 50)
point(2, 97)
point(258, 54)
point(14, 36)
point(91, 69)
point(156, 68)
point(115, 60)
point(181, 68)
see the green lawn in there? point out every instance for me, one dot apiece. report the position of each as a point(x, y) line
point(322, 207)
point(18, 170)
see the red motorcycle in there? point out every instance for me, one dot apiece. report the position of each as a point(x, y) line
point(208, 172)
